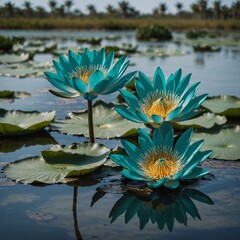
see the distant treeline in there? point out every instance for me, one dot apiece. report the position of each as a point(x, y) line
point(201, 9)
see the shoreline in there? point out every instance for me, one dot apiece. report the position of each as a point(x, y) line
point(114, 24)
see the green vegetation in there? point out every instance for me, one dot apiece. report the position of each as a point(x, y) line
point(202, 15)
point(155, 32)
point(6, 44)
point(117, 24)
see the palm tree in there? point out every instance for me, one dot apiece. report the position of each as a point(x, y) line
point(68, 4)
point(195, 9)
point(217, 8)
point(92, 9)
point(110, 9)
point(155, 11)
point(28, 8)
point(235, 9)
point(123, 8)
point(225, 12)
point(163, 8)
point(52, 4)
point(179, 7)
point(132, 12)
point(202, 5)
point(60, 11)
point(41, 12)
point(9, 9)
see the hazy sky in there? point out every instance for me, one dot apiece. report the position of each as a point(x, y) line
point(144, 6)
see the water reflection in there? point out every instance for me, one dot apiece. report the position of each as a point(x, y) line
point(83, 182)
point(162, 207)
point(74, 209)
point(11, 144)
point(199, 59)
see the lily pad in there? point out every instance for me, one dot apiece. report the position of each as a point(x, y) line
point(14, 58)
point(6, 94)
point(25, 69)
point(64, 50)
point(225, 144)
point(107, 123)
point(207, 120)
point(18, 72)
point(40, 216)
point(228, 106)
point(88, 153)
point(40, 49)
point(16, 122)
point(206, 48)
point(161, 52)
point(61, 165)
point(22, 95)
point(12, 94)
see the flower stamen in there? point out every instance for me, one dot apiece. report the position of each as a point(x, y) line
point(159, 164)
point(84, 72)
point(160, 104)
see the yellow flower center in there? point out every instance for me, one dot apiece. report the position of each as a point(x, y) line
point(84, 76)
point(160, 164)
point(160, 104)
point(84, 72)
point(102, 126)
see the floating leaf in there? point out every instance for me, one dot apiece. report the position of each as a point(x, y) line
point(40, 49)
point(61, 164)
point(16, 122)
point(223, 105)
point(40, 216)
point(70, 155)
point(225, 144)
point(64, 51)
point(210, 41)
point(6, 94)
point(35, 170)
point(92, 41)
point(12, 94)
point(18, 72)
point(206, 48)
point(14, 58)
point(22, 94)
point(106, 121)
point(161, 52)
point(207, 120)
point(25, 69)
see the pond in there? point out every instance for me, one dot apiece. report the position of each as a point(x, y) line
point(96, 207)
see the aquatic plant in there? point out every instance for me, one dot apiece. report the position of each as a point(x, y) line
point(89, 74)
point(161, 33)
point(17, 122)
point(160, 162)
point(163, 100)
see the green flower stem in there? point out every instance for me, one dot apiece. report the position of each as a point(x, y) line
point(90, 122)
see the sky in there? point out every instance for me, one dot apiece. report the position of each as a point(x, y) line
point(144, 6)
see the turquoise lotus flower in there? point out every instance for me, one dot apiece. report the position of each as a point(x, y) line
point(89, 74)
point(162, 100)
point(158, 161)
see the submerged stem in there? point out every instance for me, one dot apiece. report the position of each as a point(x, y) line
point(77, 232)
point(90, 122)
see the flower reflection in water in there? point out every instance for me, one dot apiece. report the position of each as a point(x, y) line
point(162, 207)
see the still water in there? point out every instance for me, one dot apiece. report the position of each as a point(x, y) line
point(64, 212)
